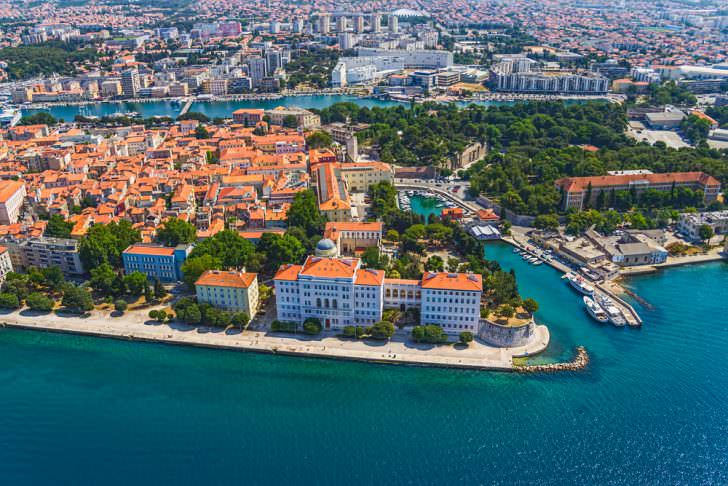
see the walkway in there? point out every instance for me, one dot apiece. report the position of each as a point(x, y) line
point(135, 326)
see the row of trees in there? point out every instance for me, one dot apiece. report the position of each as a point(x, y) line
point(189, 311)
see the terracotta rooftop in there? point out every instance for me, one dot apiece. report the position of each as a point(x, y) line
point(219, 278)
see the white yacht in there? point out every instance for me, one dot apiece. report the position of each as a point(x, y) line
point(594, 310)
point(613, 313)
point(579, 284)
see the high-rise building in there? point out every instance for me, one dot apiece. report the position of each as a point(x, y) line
point(130, 83)
point(393, 24)
point(273, 60)
point(341, 24)
point(256, 70)
point(297, 26)
point(324, 23)
point(347, 40)
point(274, 27)
point(358, 24)
point(376, 23)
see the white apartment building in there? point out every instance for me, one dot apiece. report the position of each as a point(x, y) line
point(689, 223)
point(6, 264)
point(341, 293)
point(232, 291)
point(335, 290)
point(12, 194)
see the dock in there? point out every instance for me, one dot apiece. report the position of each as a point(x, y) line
point(186, 107)
point(630, 314)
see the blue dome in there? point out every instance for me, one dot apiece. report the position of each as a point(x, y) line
point(325, 245)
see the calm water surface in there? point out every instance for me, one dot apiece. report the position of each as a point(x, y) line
point(651, 409)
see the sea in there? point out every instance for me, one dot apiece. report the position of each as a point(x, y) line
point(651, 408)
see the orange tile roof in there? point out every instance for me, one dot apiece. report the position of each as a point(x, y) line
point(149, 250)
point(219, 278)
point(288, 272)
point(330, 267)
point(369, 276)
point(8, 189)
point(452, 281)
point(578, 184)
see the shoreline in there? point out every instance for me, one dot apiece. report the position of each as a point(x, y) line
point(135, 327)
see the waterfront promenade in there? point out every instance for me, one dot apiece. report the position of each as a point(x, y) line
point(134, 325)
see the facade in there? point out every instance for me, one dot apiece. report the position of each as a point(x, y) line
point(248, 117)
point(360, 175)
point(155, 261)
point(44, 252)
point(333, 197)
point(689, 223)
point(304, 119)
point(232, 291)
point(335, 290)
point(577, 189)
point(341, 293)
point(6, 264)
point(543, 83)
point(130, 83)
point(353, 237)
point(12, 194)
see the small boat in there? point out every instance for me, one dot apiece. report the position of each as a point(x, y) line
point(594, 310)
point(613, 313)
point(579, 284)
point(538, 262)
point(516, 250)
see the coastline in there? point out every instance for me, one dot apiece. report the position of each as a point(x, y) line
point(134, 326)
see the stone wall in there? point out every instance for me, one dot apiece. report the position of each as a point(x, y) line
point(506, 336)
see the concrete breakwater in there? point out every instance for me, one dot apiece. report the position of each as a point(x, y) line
point(580, 361)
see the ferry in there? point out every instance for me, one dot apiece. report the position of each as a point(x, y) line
point(613, 313)
point(579, 284)
point(594, 310)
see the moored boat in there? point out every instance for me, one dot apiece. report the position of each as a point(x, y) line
point(595, 310)
point(613, 313)
point(578, 283)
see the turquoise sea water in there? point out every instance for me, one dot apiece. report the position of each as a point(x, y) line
point(209, 108)
point(425, 206)
point(650, 409)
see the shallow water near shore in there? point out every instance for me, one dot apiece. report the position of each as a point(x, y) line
point(650, 409)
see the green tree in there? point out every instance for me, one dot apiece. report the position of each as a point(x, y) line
point(434, 264)
point(530, 305)
point(106, 242)
point(194, 267)
point(227, 248)
point(705, 232)
point(120, 305)
point(318, 140)
point(240, 319)
point(280, 249)
point(40, 118)
point(349, 332)
point(77, 299)
point(506, 311)
point(58, 227)
point(175, 231)
point(201, 132)
point(159, 290)
point(304, 213)
point(9, 301)
point(312, 326)
point(382, 330)
point(135, 283)
point(103, 279)
point(547, 222)
point(465, 337)
point(289, 121)
point(39, 302)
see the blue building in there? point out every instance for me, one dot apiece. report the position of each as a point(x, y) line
point(162, 262)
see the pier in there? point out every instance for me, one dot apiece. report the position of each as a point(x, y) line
point(186, 106)
point(630, 314)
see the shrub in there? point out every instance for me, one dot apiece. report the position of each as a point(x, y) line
point(283, 326)
point(382, 330)
point(9, 301)
point(466, 337)
point(312, 326)
point(430, 333)
point(39, 302)
point(349, 332)
point(153, 314)
point(120, 305)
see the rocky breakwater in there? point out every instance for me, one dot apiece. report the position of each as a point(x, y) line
point(580, 361)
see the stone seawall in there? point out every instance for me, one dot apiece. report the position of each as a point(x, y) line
point(580, 361)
